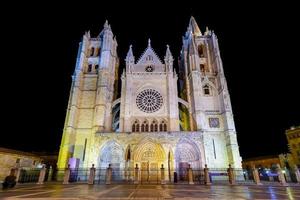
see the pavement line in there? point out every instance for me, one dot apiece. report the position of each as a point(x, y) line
point(101, 193)
point(37, 193)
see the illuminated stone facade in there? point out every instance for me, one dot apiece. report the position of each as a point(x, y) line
point(159, 116)
point(293, 138)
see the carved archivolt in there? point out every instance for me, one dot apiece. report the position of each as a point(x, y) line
point(149, 150)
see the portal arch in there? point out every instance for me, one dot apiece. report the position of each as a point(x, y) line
point(111, 153)
point(187, 153)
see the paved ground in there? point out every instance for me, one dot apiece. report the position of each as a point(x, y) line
point(83, 191)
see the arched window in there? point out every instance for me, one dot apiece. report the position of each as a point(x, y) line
point(136, 126)
point(202, 68)
point(163, 126)
point(97, 51)
point(155, 127)
point(96, 68)
point(89, 68)
point(92, 51)
point(206, 90)
point(147, 128)
point(201, 51)
point(143, 128)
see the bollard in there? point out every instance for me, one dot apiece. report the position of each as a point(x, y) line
point(17, 174)
point(281, 176)
point(136, 174)
point(206, 176)
point(256, 176)
point(231, 175)
point(162, 175)
point(67, 175)
point(190, 175)
point(108, 175)
point(50, 174)
point(175, 177)
point(42, 175)
point(297, 173)
point(92, 175)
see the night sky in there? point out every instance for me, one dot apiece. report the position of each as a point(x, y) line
point(257, 44)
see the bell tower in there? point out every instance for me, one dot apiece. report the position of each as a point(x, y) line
point(206, 88)
point(92, 93)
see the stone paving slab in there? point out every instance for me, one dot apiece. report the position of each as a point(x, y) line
point(91, 192)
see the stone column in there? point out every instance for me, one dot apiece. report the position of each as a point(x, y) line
point(190, 175)
point(231, 175)
point(162, 175)
point(206, 176)
point(136, 174)
point(92, 175)
point(256, 176)
point(49, 178)
point(281, 176)
point(42, 175)
point(297, 173)
point(17, 174)
point(108, 175)
point(67, 175)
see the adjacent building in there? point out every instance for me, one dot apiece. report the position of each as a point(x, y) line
point(293, 138)
point(10, 159)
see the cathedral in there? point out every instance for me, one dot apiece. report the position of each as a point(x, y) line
point(149, 114)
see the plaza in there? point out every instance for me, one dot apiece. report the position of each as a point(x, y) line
point(84, 191)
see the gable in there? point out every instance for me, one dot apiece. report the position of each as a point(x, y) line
point(149, 57)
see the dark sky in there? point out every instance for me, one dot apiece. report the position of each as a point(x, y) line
point(257, 44)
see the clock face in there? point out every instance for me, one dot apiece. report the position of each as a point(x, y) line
point(214, 123)
point(149, 68)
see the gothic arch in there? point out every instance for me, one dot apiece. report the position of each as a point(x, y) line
point(211, 86)
point(147, 150)
point(187, 152)
point(111, 153)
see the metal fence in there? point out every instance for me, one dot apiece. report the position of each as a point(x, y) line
point(29, 175)
point(154, 176)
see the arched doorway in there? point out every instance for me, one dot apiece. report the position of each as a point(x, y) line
point(111, 153)
point(186, 153)
point(149, 155)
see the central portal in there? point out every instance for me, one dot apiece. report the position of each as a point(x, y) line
point(149, 172)
point(149, 156)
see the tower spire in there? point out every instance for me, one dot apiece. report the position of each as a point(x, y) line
point(168, 53)
point(169, 59)
point(149, 42)
point(130, 57)
point(106, 25)
point(193, 26)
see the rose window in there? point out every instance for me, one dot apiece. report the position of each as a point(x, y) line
point(149, 101)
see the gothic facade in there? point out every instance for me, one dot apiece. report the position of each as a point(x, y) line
point(159, 116)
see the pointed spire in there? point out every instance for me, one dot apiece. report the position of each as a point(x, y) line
point(149, 42)
point(106, 24)
point(168, 53)
point(130, 57)
point(192, 46)
point(194, 28)
point(207, 31)
point(168, 57)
